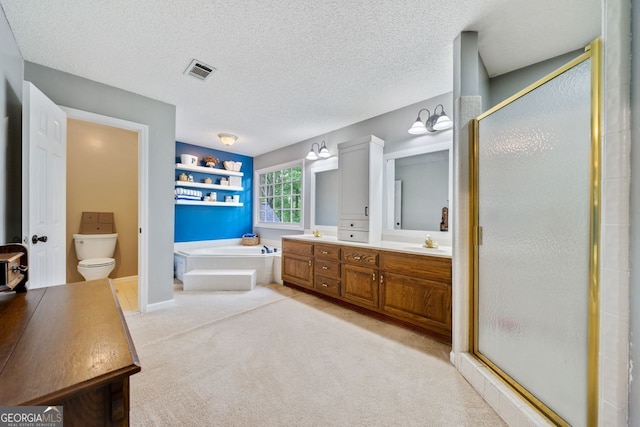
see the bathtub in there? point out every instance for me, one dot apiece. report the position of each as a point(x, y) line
point(238, 257)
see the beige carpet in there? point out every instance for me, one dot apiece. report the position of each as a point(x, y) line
point(278, 357)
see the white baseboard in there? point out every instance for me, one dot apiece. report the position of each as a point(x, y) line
point(160, 305)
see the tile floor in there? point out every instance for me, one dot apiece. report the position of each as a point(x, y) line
point(127, 291)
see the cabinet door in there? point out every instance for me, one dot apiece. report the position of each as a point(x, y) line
point(297, 270)
point(354, 182)
point(360, 285)
point(421, 301)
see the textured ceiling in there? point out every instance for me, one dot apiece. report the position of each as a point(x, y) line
point(289, 70)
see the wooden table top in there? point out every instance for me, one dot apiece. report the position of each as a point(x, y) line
point(61, 340)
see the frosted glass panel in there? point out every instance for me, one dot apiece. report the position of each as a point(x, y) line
point(533, 187)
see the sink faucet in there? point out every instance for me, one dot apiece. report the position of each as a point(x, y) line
point(267, 249)
point(430, 243)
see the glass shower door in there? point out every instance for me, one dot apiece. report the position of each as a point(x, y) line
point(532, 191)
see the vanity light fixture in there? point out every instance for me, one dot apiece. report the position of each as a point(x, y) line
point(227, 139)
point(322, 153)
point(433, 123)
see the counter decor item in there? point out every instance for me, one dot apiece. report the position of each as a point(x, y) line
point(190, 178)
point(250, 239)
point(235, 198)
point(207, 181)
point(213, 197)
point(224, 181)
point(210, 161)
point(429, 243)
point(183, 177)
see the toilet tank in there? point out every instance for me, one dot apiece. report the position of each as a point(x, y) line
point(95, 245)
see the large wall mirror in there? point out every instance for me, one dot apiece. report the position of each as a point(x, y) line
point(419, 188)
point(324, 193)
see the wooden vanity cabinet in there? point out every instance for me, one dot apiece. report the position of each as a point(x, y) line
point(417, 289)
point(297, 262)
point(410, 289)
point(360, 276)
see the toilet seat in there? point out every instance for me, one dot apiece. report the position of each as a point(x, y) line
point(96, 262)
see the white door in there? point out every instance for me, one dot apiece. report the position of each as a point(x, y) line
point(44, 133)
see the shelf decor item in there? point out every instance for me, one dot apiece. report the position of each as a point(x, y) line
point(250, 239)
point(188, 159)
point(232, 166)
point(210, 161)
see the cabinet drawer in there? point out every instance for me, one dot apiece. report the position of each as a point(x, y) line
point(331, 252)
point(292, 246)
point(360, 256)
point(421, 266)
point(327, 268)
point(354, 224)
point(353, 236)
point(327, 285)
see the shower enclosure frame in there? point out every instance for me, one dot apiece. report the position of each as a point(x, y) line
point(593, 52)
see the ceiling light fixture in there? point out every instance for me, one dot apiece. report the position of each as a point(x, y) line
point(433, 123)
point(322, 153)
point(227, 139)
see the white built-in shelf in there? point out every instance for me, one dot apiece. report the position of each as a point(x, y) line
point(204, 169)
point(202, 203)
point(209, 186)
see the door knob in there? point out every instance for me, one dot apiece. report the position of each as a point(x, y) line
point(35, 239)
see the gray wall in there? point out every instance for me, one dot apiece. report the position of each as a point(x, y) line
point(484, 85)
point(505, 85)
point(634, 297)
point(391, 127)
point(77, 92)
point(11, 68)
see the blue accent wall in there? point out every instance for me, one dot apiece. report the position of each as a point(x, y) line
point(194, 223)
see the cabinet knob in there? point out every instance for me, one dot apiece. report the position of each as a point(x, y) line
point(324, 285)
point(325, 252)
point(351, 225)
point(374, 277)
point(309, 263)
point(357, 258)
point(324, 267)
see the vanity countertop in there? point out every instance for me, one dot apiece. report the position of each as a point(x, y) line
point(414, 248)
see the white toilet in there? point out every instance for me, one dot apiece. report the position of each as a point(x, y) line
point(94, 252)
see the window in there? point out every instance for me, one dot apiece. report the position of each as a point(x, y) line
point(280, 196)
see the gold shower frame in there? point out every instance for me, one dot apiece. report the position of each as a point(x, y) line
point(594, 52)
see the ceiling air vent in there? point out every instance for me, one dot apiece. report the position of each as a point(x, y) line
point(199, 70)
